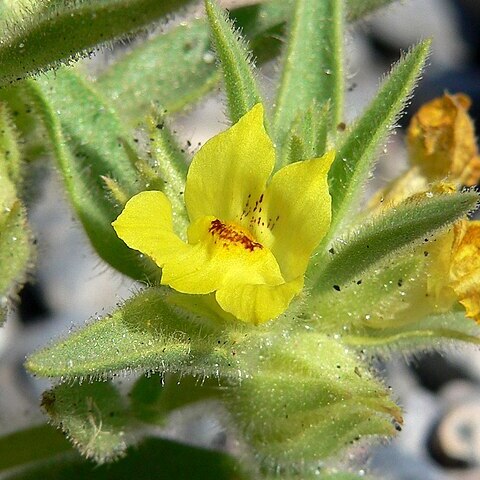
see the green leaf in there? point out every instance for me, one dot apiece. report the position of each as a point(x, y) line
point(152, 459)
point(355, 156)
point(151, 71)
point(408, 224)
point(27, 126)
point(31, 445)
point(92, 416)
point(297, 416)
point(84, 136)
point(15, 236)
point(9, 147)
point(65, 30)
point(153, 397)
point(313, 65)
point(433, 331)
point(234, 57)
point(308, 135)
point(148, 334)
point(170, 165)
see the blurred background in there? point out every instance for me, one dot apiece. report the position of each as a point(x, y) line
point(440, 392)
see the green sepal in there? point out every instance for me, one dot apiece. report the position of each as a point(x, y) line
point(35, 41)
point(313, 64)
point(235, 60)
point(93, 416)
point(357, 152)
point(84, 135)
point(408, 224)
point(147, 333)
point(322, 402)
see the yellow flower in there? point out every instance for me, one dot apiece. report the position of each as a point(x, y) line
point(249, 239)
point(465, 267)
point(441, 141)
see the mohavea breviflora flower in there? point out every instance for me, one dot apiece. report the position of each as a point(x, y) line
point(455, 270)
point(443, 154)
point(441, 141)
point(250, 236)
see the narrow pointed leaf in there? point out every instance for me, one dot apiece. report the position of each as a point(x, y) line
point(313, 65)
point(408, 224)
point(93, 417)
point(356, 156)
point(146, 334)
point(234, 57)
point(315, 407)
point(84, 137)
point(65, 30)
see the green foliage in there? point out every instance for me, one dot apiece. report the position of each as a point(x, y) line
point(357, 153)
point(145, 333)
point(324, 400)
point(433, 331)
point(63, 30)
point(406, 225)
point(84, 137)
point(308, 136)
point(313, 65)
point(93, 417)
point(32, 445)
point(233, 54)
point(151, 73)
point(153, 458)
point(15, 236)
point(170, 167)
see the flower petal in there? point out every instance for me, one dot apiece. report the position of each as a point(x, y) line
point(230, 167)
point(441, 140)
point(295, 213)
point(145, 224)
point(215, 261)
point(465, 267)
point(258, 303)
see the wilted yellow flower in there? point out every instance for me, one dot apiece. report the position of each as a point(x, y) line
point(455, 268)
point(249, 239)
point(441, 141)
point(465, 267)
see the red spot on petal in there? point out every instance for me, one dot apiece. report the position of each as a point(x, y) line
point(233, 234)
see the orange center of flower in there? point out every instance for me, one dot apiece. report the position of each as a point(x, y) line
point(231, 234)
